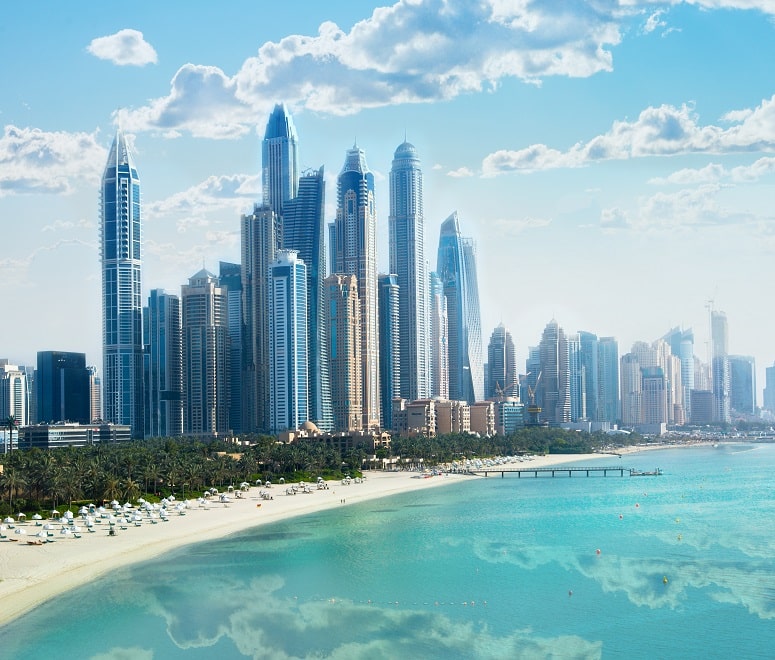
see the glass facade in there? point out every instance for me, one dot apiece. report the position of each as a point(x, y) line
point(456, 266)
point(121, 238)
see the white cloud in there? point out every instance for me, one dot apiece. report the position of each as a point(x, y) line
point(411, 52)
point(36, 161)
point(125, 47)
point(67, 225)
point(714, 172)
point(513, 226)
point(232, 194)
point(460, 173)
point(658, 131)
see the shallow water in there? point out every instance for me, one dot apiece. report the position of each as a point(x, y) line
point(484, 568)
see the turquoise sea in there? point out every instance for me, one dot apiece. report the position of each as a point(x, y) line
point(481, 568)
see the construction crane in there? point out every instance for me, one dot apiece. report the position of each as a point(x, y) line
point(533, 411)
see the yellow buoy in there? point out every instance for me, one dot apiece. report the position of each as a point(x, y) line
point(664, 579)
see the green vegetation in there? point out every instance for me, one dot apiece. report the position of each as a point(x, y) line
point(40, 481)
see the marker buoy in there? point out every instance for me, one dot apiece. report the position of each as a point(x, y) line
point(620, 516)
point(637, 505)
point(664, 579)
point(597, 552)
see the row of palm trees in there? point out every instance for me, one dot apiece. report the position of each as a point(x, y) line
point(40, 480)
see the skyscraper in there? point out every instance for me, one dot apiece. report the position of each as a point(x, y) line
point(288, 361)
point(303, 231)
point(390, 357)
point(14, 394)
point(164, 366)
point(62, 382)
point(608, 379)
point(502, 360)
point(122, 325)
point(407, 261)
point(439, 354)
point(259, 247)
point(230, 278)
point(769, 389)
point(355, 242)
point(719, 337)
point(589, 365)
point(576, 384)
point(456, 266)
point(344, 350)
point(205, 355)
point(553, 390)
point(742, 384)
point(632, 390)
point(279, 160)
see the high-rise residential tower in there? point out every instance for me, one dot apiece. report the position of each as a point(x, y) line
point(742, 384)
point(259, 247)
point(390, 357)
point(407, 261)
point(719, 338)
point(230, 278)
point(438, 339)
point(456, 266)
point(344, 350)
point(205, 355)
point(122, 324)
point(553, 390)
point(303, 231)
point(279, 160)
point(632, 390)
point(608, 379)
point(355, 245)
point(288, 362)
point(589, 364)
point(14, 394)
point(502, 377)
point(164, 366)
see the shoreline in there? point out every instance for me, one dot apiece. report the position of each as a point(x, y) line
point(30, 575)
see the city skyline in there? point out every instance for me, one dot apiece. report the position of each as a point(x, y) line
point(641, 181)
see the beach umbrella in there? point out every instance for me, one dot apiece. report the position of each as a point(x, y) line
point(9, 520)
point(37, 516)
point(19, 530)
point(69, 515)
point(65, 532)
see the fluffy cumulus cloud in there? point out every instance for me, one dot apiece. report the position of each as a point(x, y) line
point(231, 194)
point(125, 47)
point(36, 161)
point(658, 131)
point(411, 52)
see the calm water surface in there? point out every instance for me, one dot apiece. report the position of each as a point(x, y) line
point(483, 568)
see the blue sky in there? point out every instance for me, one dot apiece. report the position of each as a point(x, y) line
point(612, 160)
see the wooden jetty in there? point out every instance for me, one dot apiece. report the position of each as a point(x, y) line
point(562, 471)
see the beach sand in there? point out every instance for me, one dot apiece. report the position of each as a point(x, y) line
point(33, 574)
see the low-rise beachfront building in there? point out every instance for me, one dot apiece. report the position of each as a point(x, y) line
point(52, 436)
point(482, 418)
point(343, 441)
point(413, 419)
point(452, 417)
point(509, 416)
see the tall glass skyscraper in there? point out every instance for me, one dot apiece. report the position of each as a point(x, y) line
point(439, 353)
point(122, 323)
point(279, 159)
point(355, 245)
point(303, 231)
point(164, 366)
point(259, 247)
point(456, 266)
point(589, 366)
point(719, 337)
point(288, 362)
point(205, 355)
point(390, 367)
point(230, 277)
point(407, 262)
point(553, 393)
point(62, 385)
point(608, 379)
point(502, 378)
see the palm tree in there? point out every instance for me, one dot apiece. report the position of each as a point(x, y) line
point(12, 479)
point(11, 423)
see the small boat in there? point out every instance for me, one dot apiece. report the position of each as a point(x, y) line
point(646, 473)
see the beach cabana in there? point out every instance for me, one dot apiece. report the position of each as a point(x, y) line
point(21, 517)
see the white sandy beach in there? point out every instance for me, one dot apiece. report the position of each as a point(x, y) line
point(33, 574)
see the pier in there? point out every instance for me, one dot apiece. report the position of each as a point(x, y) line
point(562, 471)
